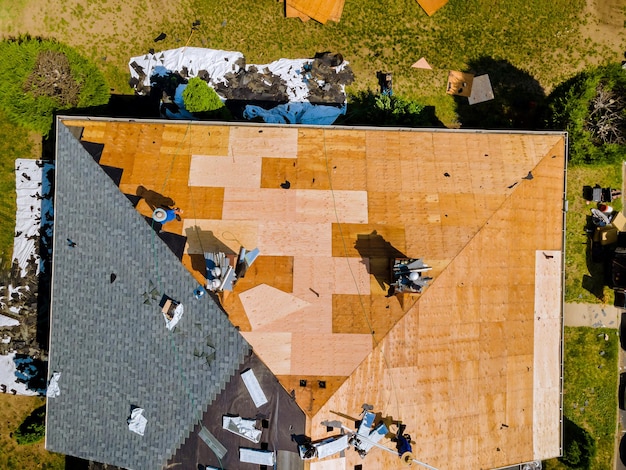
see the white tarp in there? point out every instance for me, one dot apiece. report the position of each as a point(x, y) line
point(8, 321)
point(53, 387)
point(217, 63)
point(34, 210)
point(9, 374)
point(254, 388)
point(332, 446)
point(178, 313)
point(261, 457)
point(242, 427)
point(137, 421)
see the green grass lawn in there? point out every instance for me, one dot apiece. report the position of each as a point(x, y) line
point(590, 389)
point(584, 280)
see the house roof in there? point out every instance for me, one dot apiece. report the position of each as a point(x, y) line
point(472, 365)
point(109, 339)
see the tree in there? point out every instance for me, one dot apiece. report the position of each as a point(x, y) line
point(199, 97)
point(591, 107)
point(40, 77)
point(579, 448)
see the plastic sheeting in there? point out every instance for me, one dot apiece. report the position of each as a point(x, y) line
point(243, 427)
point(137, 421)
point(34, 210)
point(215, 62)
point(178, 313)
point(53, 387)
point(296, 113)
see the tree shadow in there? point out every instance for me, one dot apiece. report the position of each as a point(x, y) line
point(379, 253)
point(519, 99)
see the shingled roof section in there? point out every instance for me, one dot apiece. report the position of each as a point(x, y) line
point(108, 339)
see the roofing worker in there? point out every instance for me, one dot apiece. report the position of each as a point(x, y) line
point(165, 215)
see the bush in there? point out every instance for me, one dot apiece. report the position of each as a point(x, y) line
point(200, 97)
point(40, 77)
point(33, 428)
point(583, 106)
point(368, 108)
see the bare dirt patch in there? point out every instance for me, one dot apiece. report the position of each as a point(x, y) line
point(604, 25)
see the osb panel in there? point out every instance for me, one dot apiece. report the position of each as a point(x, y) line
point(259, 204)
point(547, 358)
point(236, 313)
point(315, 317)
point(319, 10)
point(291, 12)
point(374, 315)
point(311, 396)
point(275, 271)
point(434, 336)
point(275, 171)
point(336, 354)
point(332, 463)
point(205, 140)
point(328, 275)
point(274, 349)
point(325, 206)
point(94, 131)
point(239, 171)
point(276, 142)
point(335, 14)
point(265, 304)
point(431, 6)
point(285, 239)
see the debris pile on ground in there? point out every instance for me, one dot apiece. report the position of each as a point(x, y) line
point(23, 322)
point(317, 85)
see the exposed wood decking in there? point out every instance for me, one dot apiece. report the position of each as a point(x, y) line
point(457, 364)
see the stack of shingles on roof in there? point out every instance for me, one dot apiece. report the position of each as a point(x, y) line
point(111, 346)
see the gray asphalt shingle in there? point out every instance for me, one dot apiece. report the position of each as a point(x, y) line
point(112, 349)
